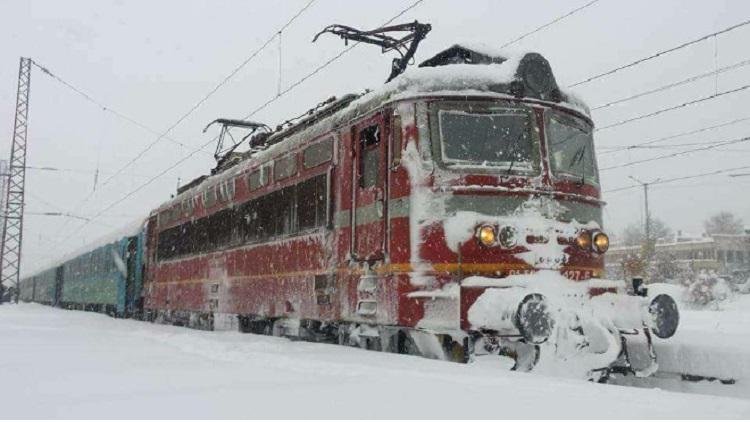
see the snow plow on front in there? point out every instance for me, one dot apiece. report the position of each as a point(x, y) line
point(454, 212)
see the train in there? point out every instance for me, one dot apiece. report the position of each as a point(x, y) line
point(452, 213)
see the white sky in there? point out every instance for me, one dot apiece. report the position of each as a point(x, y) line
point(153, 60)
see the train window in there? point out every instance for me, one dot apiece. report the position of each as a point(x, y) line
point(571, 147)
point(500, 138)
point(254, 180)
point(281, 213)
point(318, 154)
point(285, 167)
point(209, 197)
point(369, 164)
point(225, 190)
point(163, 218)
point(285, 211)
point(311, 200)
point(187, 207)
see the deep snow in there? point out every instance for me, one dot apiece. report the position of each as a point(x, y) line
point(68, 364)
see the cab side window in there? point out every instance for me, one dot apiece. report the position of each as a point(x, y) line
point(369, 164)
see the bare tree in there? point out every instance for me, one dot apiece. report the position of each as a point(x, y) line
point(634, 235)
point(723, 222)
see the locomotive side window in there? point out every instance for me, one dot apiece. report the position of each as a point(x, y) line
point(369, 139)
point(318, 154)
point(255, 180)
point(209, 197)
point(284, 212)
point(311, 197)
point(226, 190)
point(285, 167)
point(571, 148)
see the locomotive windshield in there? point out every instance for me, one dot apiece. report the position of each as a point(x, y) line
point(490, 137)
point(571, 146)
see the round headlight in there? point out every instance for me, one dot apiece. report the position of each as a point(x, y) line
point(486, 235)
point(584, 240)
point(601, 242)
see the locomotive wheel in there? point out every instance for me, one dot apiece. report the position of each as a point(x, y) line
point(406, 345)
point(525, 356)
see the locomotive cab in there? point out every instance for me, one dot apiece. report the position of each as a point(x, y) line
point(506, 216)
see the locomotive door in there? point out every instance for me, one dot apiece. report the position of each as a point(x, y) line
point(369, 193)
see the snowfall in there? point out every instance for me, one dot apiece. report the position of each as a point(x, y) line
point(71, 364)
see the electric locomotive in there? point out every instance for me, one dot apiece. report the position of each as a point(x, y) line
point(452, 213)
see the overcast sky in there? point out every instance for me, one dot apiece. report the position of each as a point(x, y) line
point(153, 61)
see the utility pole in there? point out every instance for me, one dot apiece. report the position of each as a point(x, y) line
point(648, 247)
point(12, 233)
point(3, 189)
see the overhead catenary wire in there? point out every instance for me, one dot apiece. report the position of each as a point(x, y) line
point(210, 93)
point(196, 150)
point(677, 154)
point(79, 171)
point(677, 135)
point(664, 110)
point(660, 53)
point(548, 24)
point(675, 84)
point(674, 179)
point(107, 109)
point(195, 106)
point(321, 67)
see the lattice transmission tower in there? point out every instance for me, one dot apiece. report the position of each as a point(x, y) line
point(12, 234)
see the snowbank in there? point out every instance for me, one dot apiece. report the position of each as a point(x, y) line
point(66, 364)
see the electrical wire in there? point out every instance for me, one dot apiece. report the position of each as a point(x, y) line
point(195, 151)
point(677, 154)
point(674, 179)
point(674, 84)
point(678, 135)
point(193, 108)
point(45, 70)
point(550, 23)
point(664, 110)
point(210, 93)
point(660, 53)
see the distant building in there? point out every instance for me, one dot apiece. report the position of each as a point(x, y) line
point(727, 254)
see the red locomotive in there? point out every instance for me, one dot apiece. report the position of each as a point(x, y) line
point(454, 212)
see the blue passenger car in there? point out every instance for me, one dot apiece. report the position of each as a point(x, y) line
point(107, 278)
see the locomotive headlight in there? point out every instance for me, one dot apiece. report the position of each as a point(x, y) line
point(486, 235)
point(584, 240)
point(601, 242)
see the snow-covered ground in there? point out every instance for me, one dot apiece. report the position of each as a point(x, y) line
point(709, 343)
point(65, 364)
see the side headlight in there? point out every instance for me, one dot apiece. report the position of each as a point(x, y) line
point(486, 235)
point(584, 240)
point(601, 242)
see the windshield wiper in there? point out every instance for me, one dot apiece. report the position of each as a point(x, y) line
point(579, 156)
point(513, 149)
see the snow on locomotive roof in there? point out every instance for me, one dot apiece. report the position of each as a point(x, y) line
point(485, 71)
